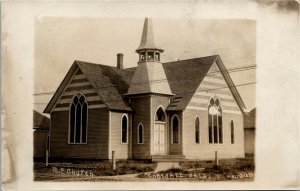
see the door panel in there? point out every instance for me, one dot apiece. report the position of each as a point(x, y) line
point(162, 139)
point(156, 135)
point(159, 139)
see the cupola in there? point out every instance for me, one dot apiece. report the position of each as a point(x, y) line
point(147, 50)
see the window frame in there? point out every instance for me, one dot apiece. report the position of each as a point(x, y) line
point(127, 127)
point(232, 131)
point(138, 133)
point(199, 139)
point(217, 122)
point(164, 114)
point(87, 124)
point(172, 129)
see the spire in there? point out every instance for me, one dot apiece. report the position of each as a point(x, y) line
point(147, 40)
point(149, 76)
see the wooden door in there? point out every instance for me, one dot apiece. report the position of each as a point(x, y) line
point(159, 139)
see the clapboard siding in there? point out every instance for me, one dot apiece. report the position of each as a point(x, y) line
point(214, 85)
point(176, 148)
point(78, 83)
point(141, 114)
point(39, 142)
point(249, 140)
point(97, 136)
point(121, 149)
point(204, 150)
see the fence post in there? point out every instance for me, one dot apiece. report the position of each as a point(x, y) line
point(216, 158)
point(47, 149)
point(47, 153)
point(113, 160)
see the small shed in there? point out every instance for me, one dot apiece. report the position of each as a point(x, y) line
point(249, 130)
point(41, 127)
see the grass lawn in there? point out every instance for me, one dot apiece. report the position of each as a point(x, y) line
point(231, 169)
point(227, 170)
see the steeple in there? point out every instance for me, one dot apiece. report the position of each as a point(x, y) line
point(147, 50)
point(149, 76)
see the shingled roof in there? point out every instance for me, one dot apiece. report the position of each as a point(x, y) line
point(250, 119)
point(40, 121)
point(111, 83)
point(185, 77)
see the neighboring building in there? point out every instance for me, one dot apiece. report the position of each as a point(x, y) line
point(249, 128)
point(41, 126)
point(183, 109)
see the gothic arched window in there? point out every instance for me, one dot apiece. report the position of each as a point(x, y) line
point(78, 119)
point(175, 129)
point(232, 131)
point(124, 129)
point(160, 115)
point(140, 133)
point(215, 121)
point(197, 130)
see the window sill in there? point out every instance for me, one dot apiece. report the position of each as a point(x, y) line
point(77, 143)
point(216, 143)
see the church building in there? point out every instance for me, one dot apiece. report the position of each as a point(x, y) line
point(179, 110)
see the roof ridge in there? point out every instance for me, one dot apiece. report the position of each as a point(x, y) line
point(108, 66)
point(216, 55)
point(92, 63)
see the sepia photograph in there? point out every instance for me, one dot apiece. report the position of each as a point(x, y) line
point(173, 110)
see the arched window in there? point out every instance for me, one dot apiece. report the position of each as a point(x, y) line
point(197, 130)
point(140, 133)
point(175, 129)
point(232, 131)
point(124, 129)
point(78, 119)
point(160, 115)
point(215, 121)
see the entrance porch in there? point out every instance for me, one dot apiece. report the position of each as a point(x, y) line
point(166, 145)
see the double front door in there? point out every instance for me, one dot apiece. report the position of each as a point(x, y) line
point(160, 139)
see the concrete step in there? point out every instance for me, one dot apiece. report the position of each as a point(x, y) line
point(168, 158)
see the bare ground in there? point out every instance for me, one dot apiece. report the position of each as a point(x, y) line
point(227, 170)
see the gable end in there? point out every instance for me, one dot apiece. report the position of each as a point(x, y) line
point(74, 82)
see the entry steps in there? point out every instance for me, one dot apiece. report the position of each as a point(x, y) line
point(168, 158)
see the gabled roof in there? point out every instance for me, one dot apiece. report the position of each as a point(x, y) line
point(40, 121)
point(250, 119)
point(110, 83)
point(185, 77)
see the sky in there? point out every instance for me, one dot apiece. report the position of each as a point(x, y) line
point(61, 40)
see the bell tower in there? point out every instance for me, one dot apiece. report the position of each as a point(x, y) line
point(148, 51)
point(149, 92)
